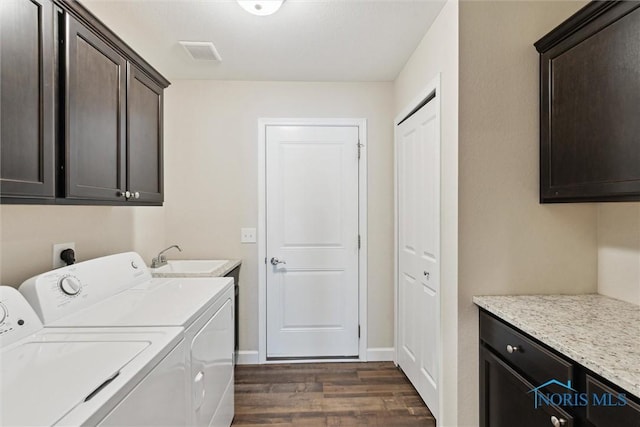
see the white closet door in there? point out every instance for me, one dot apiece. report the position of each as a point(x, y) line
point(312, 240)
point(418, 139)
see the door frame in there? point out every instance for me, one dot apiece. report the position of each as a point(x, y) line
point(361, 124)
point(432, 87)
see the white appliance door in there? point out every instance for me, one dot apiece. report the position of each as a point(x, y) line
point(158, 400)
point(42, 381)
point(312, 241)
point(212, 365)
point(418, 141)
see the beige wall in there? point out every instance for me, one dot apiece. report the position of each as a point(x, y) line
point(27, 234)
point(438, 53)
point(619, 251)
point(509, 243)
point(211, 177)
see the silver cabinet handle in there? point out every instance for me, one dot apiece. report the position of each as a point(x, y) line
point(558, 422)
point(127, 194)
point(122, 194)
point(136, 195)
point(512, 349)
point(276, 261)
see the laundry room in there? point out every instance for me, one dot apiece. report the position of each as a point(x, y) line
point(363, 204)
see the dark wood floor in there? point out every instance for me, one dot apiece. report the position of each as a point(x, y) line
point(327, 394)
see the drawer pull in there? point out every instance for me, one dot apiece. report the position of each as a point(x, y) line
point(558, 422)
point(512, 349)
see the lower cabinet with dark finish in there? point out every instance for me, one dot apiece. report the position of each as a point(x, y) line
point(620, 413)
point(527, 384)
point(506, 401)
point(235, 273)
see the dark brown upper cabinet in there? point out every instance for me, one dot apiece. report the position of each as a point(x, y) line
point(95, 116)
point(144, 137)
point(81, 111)
point(590, 105)
point(27, 92)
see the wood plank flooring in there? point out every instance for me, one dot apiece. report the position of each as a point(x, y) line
point(327, 394)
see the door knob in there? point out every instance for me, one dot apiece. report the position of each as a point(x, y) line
point(276, 261)
point(557, 422)
point(512, 349)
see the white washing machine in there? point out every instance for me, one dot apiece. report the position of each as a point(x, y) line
point(92, 376)
point(118, 291)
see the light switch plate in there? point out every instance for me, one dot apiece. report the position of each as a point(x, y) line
point(247, 235)
point(57, 249)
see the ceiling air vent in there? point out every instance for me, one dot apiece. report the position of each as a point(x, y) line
point(201, 51)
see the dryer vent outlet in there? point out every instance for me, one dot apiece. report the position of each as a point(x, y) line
point(201, 51)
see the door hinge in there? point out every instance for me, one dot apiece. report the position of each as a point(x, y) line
point(358, 331)
point(359, 149)
point(359, 242)
point(265, 260)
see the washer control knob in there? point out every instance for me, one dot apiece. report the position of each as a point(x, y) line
point(70, 285)
point(3, 314)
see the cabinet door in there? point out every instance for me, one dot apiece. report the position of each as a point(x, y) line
point(627, 415)
point(95, 116)
point(590, 103)
point(505, 400)
point(144, 137)
point(27, 129)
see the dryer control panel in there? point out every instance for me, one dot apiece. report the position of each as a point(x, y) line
point(64, 291)
point(17, 318)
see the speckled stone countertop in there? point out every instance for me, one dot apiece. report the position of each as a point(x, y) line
point(600, 333)
point(224, 269)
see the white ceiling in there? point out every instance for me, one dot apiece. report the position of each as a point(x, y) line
point(306, 40)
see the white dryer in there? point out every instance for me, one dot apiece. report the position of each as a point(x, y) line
point(118, 291)
point(92, 376)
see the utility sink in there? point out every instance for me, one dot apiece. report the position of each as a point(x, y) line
point(193, 266)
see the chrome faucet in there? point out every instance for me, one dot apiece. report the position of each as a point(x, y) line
point(161, 260)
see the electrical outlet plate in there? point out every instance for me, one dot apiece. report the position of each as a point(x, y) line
point(247, 235)
point(57, 249)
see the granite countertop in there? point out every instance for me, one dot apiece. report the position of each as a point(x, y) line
point(600, 333)
point(221, 271)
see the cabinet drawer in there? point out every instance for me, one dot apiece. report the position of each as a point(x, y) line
point(607, 414)
point(531, 359)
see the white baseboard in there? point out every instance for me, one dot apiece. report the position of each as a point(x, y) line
point(249, 357)
point(382, 354)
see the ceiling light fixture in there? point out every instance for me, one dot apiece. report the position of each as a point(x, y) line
point(261, 7)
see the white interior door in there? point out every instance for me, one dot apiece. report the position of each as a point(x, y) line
point(418, 139)
point(312, 241)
